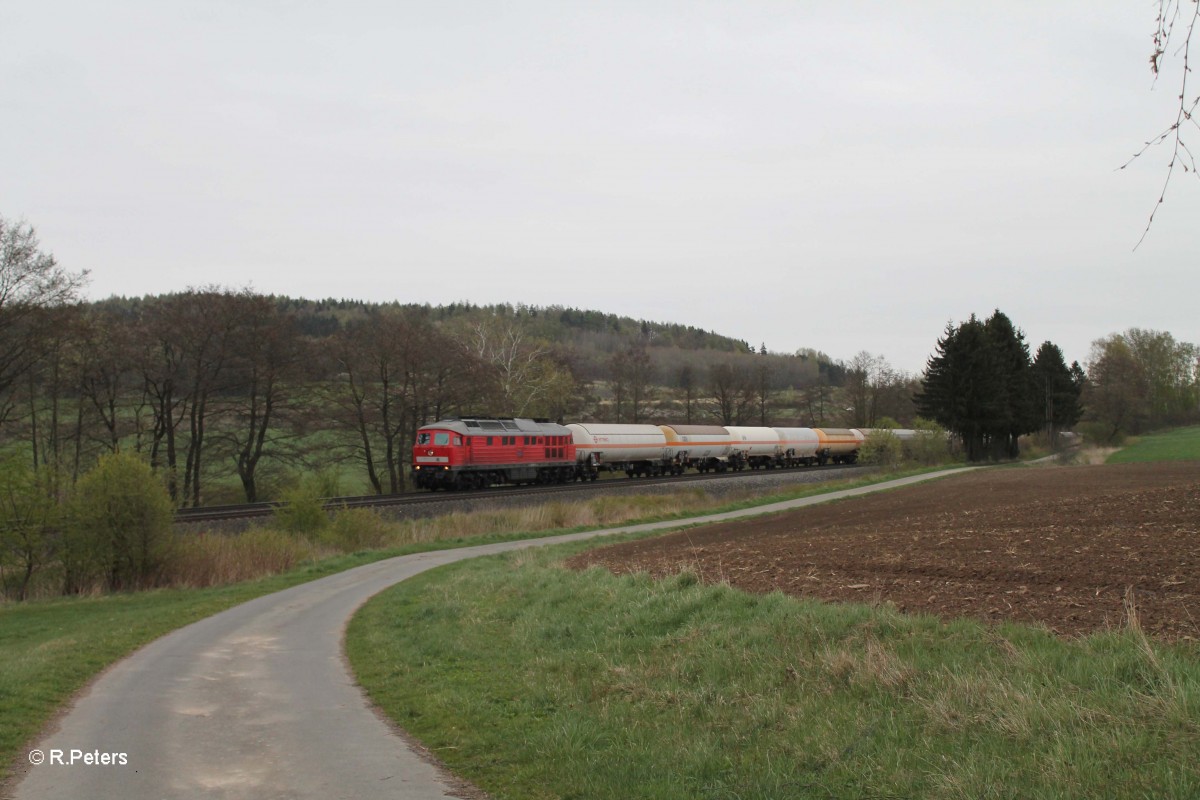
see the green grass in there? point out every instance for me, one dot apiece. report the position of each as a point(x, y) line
point(536, 682)
point(1181, 444)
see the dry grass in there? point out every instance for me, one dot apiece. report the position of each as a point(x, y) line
point(596, 512)
point(217, 560)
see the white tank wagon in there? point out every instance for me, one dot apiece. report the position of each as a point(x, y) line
point(634, 449)
point(704, 447)
point(839, 445)
point(799, 446)
point(756, 447)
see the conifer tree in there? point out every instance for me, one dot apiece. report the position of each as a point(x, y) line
point(981, 386)
point(1058, 388)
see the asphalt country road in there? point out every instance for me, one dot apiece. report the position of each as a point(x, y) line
point(258, 701)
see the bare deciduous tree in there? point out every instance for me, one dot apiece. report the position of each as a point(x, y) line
point(730, 389)
point(632, 374)
point(267, 360)
point(687, 384)
point(30, 282)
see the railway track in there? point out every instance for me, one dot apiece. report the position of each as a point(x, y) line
point(258, 510)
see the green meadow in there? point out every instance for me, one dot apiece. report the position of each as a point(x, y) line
point(1180, 444)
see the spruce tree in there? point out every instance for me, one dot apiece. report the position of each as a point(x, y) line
point(1059, 388)
point(980, 385)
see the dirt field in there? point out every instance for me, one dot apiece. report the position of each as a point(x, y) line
point(1060, 546)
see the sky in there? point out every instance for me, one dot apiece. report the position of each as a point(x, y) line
point(836, 176)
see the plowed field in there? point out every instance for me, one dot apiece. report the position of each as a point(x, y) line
point(1067, 547)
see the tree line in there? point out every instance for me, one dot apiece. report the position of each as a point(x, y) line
point(982, 385)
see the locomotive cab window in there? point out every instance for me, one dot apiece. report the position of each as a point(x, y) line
point(458, 440)
point(422, 438)
point(441, 438)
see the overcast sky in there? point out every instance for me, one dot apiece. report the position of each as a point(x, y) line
point(841, 176)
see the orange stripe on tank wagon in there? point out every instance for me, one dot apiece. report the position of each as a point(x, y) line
point(658, 444)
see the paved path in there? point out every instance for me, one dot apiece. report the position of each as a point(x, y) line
point(257, 701)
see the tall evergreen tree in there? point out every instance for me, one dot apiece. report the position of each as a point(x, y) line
point(1019, 411)
point(980, 385)
point(1059, 388)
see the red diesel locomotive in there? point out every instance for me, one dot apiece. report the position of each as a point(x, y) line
point(477, 453)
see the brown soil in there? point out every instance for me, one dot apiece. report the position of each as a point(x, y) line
point(1064, 547)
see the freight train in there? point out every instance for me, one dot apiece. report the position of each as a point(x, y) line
point(478, 453)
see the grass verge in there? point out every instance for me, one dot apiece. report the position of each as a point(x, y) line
point(1180, 444)
point(535, 682)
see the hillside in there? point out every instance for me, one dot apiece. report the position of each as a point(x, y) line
point(230, 395)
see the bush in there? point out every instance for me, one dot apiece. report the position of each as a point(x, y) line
point(302, 509)
point(119, 528)
point(1100, 434)
point(29, 519)
point(881, 449)
point(931, 445)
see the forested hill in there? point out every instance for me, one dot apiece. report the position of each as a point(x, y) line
point(556, 324)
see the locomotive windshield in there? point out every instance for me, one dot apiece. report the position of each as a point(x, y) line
point(437, 438)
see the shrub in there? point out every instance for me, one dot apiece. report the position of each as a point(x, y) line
point(29, 519)
point(1100, 434)
point(881, 448)
point(931, 445)
point(119, 530)
point(302, 509)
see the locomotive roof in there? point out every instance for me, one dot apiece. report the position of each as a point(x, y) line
point(474, 425)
